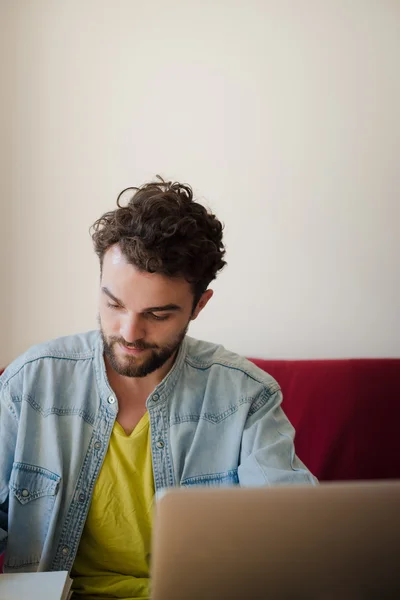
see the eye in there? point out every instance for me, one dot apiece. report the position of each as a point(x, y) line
point(113, 306)
point(158, 317)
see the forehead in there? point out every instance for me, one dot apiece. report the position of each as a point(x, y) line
point(133, 286)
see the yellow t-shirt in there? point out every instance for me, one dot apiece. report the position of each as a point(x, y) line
point(114, 551)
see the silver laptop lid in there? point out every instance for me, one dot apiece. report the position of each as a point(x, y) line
point(333, 541)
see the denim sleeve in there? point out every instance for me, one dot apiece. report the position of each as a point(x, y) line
point(267, 453)
point(8, 436)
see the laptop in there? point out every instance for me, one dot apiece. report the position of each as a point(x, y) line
point(335, 541)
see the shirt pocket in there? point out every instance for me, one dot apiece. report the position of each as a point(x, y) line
point(224, 479)
point(33, 492)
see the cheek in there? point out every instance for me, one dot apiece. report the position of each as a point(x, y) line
point(173, 328)
point(160, 332)
point(109, 320)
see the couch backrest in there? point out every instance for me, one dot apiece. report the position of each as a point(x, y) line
point(346, 414)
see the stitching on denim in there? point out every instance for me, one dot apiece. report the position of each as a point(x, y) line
point(163, 468)
point(74, 356)
point(10, 401)
point(20, 466)
point(210, 417)
point(184, 419)
point(56, 411)
point(71, 518)
point(18, 565)
point(217, 418)
point(218, 477)
point(260, 402)
point(48, 491)
point(205, 366)
point(168, 454)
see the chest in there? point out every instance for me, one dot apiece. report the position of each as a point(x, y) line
point(129, 415)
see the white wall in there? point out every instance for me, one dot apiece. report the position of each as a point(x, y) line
point(283, 115)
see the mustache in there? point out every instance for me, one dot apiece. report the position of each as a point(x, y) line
point(138, 345)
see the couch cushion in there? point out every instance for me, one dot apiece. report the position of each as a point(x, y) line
point(346, 414)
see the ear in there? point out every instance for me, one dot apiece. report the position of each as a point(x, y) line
point(202, 303)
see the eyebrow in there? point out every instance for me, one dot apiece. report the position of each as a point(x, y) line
point(110, 295)
point(166, 307)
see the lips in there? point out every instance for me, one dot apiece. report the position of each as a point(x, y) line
point(130, 350)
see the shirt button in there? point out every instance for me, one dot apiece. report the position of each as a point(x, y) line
point(65, 551)
point(160, 444)
point(111, 400)
point(97, 445)
point(156, 398)
point(82, 497)
point(25, 493)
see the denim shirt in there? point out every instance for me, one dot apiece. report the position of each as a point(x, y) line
point(215, 420)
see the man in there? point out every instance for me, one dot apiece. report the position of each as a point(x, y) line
point(93, 425)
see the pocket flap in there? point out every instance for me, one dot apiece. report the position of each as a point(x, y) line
point(29, 482)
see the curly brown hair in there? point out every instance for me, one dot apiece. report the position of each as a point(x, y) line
point(163, 230)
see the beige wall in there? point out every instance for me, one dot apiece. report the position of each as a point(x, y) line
point(7, 189)
point(283, 115)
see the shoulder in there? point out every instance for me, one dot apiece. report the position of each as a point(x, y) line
point(72, 348)
point(206, 356)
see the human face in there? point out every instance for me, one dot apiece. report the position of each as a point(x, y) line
point(143, 316)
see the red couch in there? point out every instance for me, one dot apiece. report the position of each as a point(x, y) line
point(346, 414)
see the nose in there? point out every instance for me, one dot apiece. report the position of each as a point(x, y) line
point(132, 328)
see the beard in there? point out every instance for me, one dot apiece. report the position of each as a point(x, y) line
point(129, 366)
